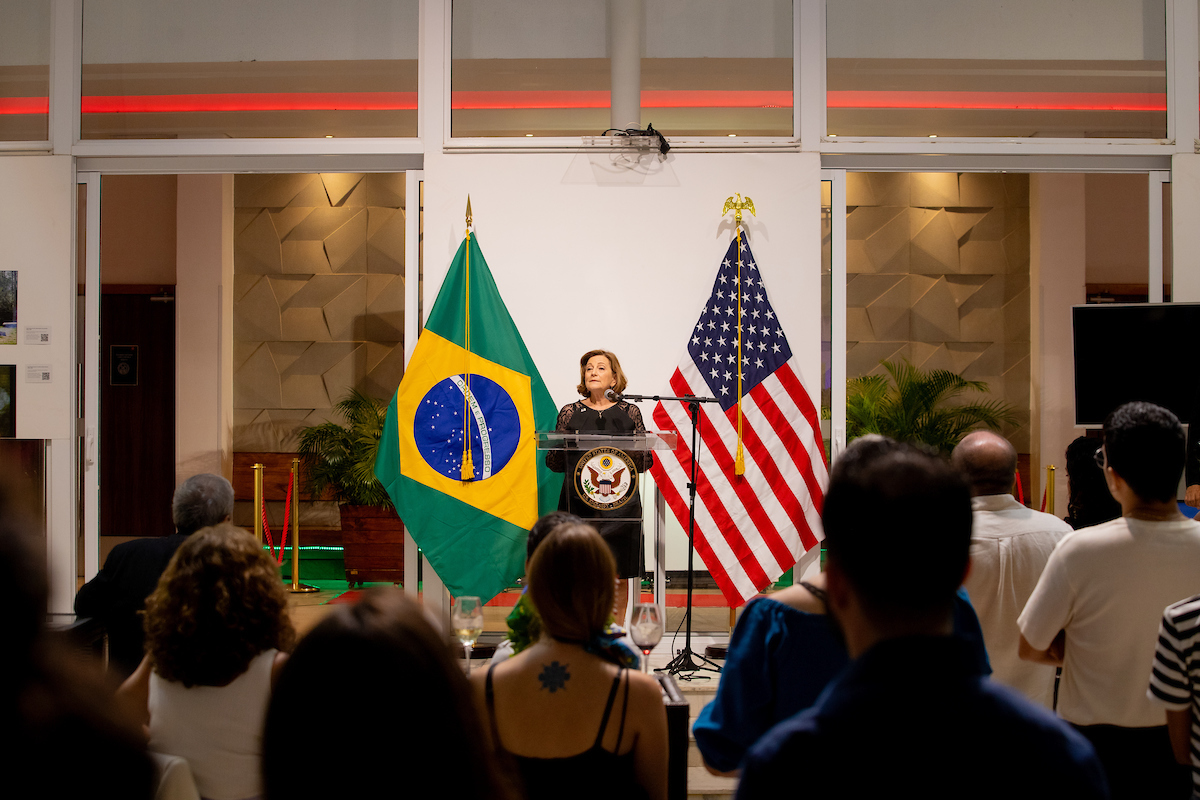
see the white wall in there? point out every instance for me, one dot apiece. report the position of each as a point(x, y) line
point(1058, 238)
point(1005, 29)
point(585, 260)
point(37, 221)
point(1185, 233)
point(1118, 227)
point(204, 327)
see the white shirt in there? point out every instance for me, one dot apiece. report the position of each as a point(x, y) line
point(218, 729)
point(1009, 548)
point(1107, 586)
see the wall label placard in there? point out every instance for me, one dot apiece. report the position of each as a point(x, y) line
point(37, 334)
point(38, 373)
point(123, 365)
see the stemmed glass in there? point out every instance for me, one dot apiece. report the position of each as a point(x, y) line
point(467, 622)
point(646, 629)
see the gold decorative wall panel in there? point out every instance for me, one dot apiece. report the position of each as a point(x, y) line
point(318, 298)
point(938, 272)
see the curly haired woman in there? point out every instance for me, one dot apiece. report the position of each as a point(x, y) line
point(216, 634)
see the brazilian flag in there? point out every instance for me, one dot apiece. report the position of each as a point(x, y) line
point(470, 380)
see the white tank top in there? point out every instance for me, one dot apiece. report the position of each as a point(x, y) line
point(218, 729)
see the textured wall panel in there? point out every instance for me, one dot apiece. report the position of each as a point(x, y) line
point(318, 298)
point(938, 272)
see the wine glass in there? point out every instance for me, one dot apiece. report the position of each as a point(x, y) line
point(467, 622)
point(646, 629)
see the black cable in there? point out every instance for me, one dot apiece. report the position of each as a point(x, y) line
point(649, 132)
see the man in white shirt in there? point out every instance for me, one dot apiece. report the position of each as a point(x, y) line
point(1009, 548)
point(1097, 607)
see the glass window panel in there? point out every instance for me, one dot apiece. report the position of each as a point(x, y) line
point(718, 68)
point(544, 68)
point(1055, 68)
point(249, 68)
point(24, 70)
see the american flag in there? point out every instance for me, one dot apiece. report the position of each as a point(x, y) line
point(750, 528)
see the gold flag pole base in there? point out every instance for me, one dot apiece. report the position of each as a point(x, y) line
point(296, 586)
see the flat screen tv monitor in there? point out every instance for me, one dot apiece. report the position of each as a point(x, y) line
point(1135, 351)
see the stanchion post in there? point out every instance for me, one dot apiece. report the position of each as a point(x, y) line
point(1050, 489)
point(258, 503)
point(297, 586)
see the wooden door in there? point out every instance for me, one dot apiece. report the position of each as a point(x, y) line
point(137, 412)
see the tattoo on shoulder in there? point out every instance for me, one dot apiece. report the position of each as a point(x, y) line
point(554, 676)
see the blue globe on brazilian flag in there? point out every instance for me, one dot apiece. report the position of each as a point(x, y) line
point(459, 450)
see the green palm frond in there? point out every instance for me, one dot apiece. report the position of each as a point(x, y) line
point(343, 456)
point(913, 405)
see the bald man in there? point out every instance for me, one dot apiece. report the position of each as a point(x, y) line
point(1010, 545)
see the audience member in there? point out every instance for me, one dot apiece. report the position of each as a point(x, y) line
point(911, 713)
point(379, 666)
point(783, 652)
point(1009, 547)
point(576, 722)
point(1089, 502)
point(1099, 601)
point(217, 630)
point(117, 595)
point(1174, 681)
point(523, 626)
point(58, 726)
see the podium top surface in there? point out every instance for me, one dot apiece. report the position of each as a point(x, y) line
point(569, 440)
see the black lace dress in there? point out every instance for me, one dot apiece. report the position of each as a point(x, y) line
point(624, 538)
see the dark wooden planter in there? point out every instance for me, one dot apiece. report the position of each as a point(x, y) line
point(373, 544)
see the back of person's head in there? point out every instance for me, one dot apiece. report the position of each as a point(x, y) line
point(1089, 501)
point(988, 461)
point(541, 529)
point(1145, 445)
point(200, 502)
point(381, 665)
point(886, 501)
point(572, 578)
point(52, 701)
point(219, 604)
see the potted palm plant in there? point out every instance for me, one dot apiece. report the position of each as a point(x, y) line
point(913, 405)
point(341, 457)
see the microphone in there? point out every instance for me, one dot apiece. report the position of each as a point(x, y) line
point(613, 396)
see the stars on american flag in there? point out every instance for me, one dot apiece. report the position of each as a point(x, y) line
point(764, 347)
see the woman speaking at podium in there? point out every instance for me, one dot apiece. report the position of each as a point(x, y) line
point(589, 488)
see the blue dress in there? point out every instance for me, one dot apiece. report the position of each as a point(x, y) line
point(780, 660)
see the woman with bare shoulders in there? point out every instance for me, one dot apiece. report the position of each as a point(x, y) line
point(572, 718)
point(217, 633)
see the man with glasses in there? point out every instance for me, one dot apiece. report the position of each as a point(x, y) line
point(1097, 606)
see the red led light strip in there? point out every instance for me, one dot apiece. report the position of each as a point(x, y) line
point(656, 98)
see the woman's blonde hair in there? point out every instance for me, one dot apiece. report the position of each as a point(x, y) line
point(219, 604)
point(613, 364)
point(572, 577)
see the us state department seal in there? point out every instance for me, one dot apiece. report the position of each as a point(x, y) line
point(605, 478)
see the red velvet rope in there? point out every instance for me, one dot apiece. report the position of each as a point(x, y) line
point(287, 509)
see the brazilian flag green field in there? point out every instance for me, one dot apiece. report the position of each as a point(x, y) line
point(470, 380)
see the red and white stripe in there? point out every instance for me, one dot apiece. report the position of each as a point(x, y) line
point(752, 528)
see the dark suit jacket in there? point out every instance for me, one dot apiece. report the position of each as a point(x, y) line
point(118, 593)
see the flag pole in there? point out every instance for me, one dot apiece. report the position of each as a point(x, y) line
point(468, 469)
point(738, 206)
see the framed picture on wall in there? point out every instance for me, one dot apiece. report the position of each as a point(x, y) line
point(8, 400)
point(8, 306)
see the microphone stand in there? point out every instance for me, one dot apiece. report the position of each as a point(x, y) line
point(686, 660)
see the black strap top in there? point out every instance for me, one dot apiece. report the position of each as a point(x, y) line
point(591, 774)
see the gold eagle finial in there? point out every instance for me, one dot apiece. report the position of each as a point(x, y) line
point(737, 207)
